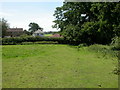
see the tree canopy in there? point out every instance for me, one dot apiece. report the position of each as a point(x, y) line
point(3, 27)
point(34, 27)
point(85, 22)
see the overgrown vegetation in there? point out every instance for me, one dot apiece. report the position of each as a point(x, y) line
point(107, 52)
point(115, 43)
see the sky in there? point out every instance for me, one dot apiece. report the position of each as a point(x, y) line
point(20, 14)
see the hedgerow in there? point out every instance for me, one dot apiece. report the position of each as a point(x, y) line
point(20, 40)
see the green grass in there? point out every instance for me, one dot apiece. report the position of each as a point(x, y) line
point(47, 35)
point(56, 66)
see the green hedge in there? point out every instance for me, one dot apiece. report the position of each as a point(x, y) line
point(20, 40)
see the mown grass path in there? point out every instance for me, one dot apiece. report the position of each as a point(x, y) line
point(56, 66)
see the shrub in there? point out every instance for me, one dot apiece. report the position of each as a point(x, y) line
point(116, 43)
point(82, 45)
point(117, 70)
point(20, 40)
point(104, 50)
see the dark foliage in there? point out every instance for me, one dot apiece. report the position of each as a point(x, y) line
point(90, 23)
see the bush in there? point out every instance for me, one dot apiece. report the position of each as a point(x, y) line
point(20, 40)
point(117, 70)
point(104, 50)
point(116, 43)
point(82, 45)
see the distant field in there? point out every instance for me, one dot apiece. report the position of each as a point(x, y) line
point(47, 34)
point(56, 66)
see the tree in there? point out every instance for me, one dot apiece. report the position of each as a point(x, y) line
point(84, 22)
point(34, 27)
point(3, 27)
point(27, 32)
point(69, 19)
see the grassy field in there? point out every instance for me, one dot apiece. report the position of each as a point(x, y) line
point(47, 35)
point(57, 66)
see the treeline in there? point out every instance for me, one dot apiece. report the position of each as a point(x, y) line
point(90, 23)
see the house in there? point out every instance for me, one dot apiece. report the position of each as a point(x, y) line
point(38, 33)
point(14, 32)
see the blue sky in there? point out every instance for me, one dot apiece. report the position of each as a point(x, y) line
point(20, 14)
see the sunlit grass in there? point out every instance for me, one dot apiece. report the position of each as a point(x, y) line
point(48, 34)
point(56, 66)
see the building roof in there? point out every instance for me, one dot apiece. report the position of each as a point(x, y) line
point(56, 35)
point(15, 30)
point(38, 31)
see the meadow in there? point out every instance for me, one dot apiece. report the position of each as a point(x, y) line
point(58, 66)
point(47, 35)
